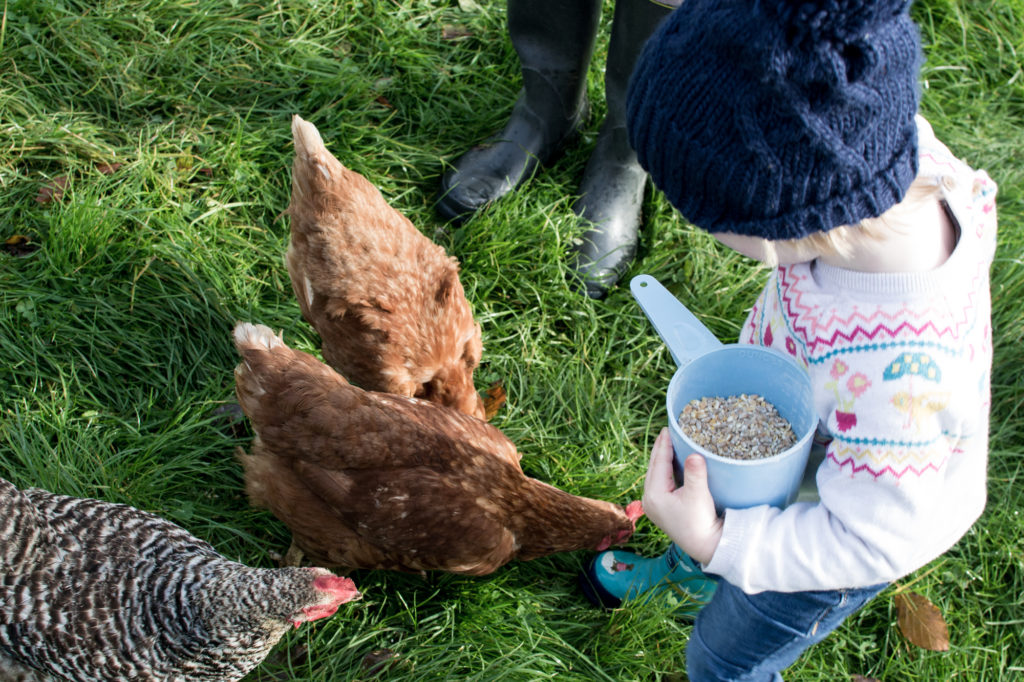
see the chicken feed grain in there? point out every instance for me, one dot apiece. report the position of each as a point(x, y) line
point(738, 427)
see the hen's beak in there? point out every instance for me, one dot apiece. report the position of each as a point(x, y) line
point(339, 589)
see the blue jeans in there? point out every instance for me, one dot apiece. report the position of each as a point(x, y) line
point(752, 637)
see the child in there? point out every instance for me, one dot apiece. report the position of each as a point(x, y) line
point(789, 132)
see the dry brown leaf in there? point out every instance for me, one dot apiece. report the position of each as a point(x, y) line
point(378, 661)
point(921, 622)
point(454, 32)
point(496, 397)
point(53, 190)
point(862, 678)
point(108, 168)
point(19, 245)
point(382, 100)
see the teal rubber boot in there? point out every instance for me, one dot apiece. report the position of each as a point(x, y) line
point(616, 576)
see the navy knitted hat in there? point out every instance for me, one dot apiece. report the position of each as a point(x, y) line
point(779, 118)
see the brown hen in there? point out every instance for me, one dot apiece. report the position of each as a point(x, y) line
point(387, 302)
point(374, 480)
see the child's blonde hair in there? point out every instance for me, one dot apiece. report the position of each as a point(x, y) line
point(842, 240)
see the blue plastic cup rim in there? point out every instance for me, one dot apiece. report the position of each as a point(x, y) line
point(804, 426)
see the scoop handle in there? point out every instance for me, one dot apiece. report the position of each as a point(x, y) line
point(681, 331)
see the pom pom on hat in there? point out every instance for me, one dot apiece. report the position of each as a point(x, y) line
point(842, 20)
point(779, 119)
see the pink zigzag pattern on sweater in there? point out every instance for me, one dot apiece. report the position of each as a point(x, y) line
point(937, 161)
point(894, 456)
point(877, 473)
point(790, 284)
point(865, 326)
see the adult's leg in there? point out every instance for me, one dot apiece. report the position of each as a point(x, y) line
point(612, 189)
point(554, 40)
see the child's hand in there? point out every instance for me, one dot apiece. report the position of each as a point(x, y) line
point(686, 514)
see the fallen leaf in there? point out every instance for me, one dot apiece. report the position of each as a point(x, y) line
point(381, 99)
point(231, 418)
point(496, 397)
point(53, 190)
point(921, 622)
point(108, 168)
point(19, 245)
point(451, 32)
point(378, 660)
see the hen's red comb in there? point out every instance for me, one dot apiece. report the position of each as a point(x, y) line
point(343, 588)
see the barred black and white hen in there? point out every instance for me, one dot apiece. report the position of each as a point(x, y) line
point(91, 590)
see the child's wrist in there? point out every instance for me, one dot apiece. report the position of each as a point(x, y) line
point(700, 548)
point(706, 551)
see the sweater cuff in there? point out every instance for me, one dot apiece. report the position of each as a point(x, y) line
point(738, 528)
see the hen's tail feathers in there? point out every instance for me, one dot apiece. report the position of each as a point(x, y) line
point(256, 337)
point(270, 367)
point(314, 169)
point(27, 541)
point(256, 343)
point(19, 528)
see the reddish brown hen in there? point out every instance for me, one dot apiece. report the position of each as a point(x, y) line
point(374, 480)
point(387, 302)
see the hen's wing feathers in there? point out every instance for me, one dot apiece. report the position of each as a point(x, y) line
point(107, 529)
point(307, 410)
point(425, 513)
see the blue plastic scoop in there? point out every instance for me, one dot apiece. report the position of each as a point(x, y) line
point(708, 368)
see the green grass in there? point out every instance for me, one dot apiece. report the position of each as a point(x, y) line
point(114, 335)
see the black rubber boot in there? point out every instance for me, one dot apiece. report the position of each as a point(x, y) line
point(612, 190)
point(554, 40)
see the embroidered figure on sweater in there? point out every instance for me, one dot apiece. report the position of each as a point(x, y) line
point(855, 384)
point(917, 407)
